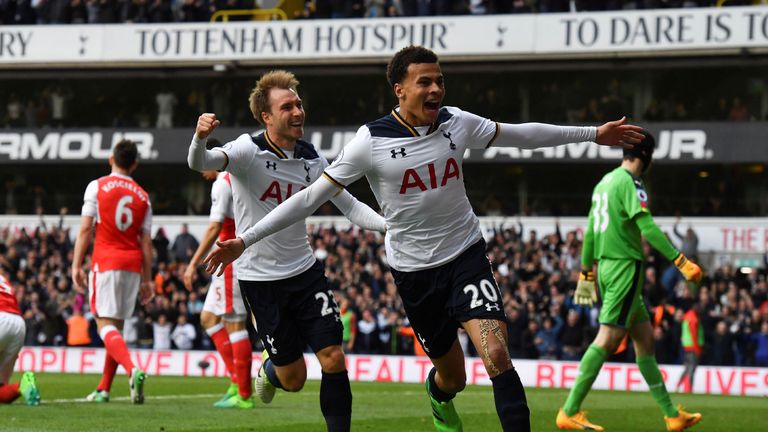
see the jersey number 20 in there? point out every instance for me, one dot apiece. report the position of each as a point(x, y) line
point(600, 212)
point(488, 290)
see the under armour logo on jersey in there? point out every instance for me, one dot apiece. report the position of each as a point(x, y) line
point(396, 152)
point(448, 135)
point(423, 342)
point(271, 342)
point(272, 165)
point(492, 306)
point(306, 168)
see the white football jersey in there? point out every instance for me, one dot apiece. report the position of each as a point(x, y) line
point(264, 175)
point(418, 181)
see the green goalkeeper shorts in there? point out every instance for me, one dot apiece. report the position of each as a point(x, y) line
point(621, 290)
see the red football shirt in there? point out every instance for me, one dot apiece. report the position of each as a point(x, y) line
point(7, 299)
point(123, 207)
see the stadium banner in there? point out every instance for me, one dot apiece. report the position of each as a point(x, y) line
point(677, 143)
point(735, 381)
point(743, 237)
point(594, 34)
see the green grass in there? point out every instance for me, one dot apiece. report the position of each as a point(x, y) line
point(184, 404)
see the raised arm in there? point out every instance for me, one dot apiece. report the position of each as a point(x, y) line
point(536, 135)
point(359, 213)
point(200, 159)
point(292, 210)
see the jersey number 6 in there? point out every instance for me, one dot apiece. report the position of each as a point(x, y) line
point(123, 213)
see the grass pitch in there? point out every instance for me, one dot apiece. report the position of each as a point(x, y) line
point(185, 404)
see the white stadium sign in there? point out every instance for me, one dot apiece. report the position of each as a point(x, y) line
point(624, 33)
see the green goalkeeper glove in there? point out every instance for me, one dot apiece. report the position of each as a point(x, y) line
point(690, 270)
point(585, 294)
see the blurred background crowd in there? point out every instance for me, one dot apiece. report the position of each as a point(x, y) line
point(536, 273)
point(158, 11)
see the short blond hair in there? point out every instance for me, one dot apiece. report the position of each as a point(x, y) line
point(259, 98)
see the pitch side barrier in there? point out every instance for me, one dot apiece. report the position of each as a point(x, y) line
point(720, 380)
point(721, 239)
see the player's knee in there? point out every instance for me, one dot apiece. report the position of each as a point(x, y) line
point(497, 359)
point(208, 320)
point(644, 348)
point(453, 383)
point(294, 384)
point(610, 345)
point(456, 386)
point(332, 359)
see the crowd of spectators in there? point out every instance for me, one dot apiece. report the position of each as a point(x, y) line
point(160, 11)
point(559, 98)
point(536, 275)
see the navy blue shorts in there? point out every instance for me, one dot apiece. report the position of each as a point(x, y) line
point(439, 299)
point(292, 313)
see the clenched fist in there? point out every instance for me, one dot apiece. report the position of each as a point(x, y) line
point(206, 123)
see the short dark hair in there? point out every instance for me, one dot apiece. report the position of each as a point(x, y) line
point(397, 68)
point(125, 153)
point(642, 150)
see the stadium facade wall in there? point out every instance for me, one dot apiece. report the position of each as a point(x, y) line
point(734, 381)
point(678, 143)
point(647, 33)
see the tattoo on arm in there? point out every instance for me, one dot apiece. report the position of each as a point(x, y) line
point(492, 327)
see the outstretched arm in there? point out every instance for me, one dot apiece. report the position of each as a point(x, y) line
point(292, 210)
point(536, 135)
point(359, 213)
point(200, 159)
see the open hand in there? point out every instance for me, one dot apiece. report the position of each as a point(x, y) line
point(228, 251)
point(618, 133)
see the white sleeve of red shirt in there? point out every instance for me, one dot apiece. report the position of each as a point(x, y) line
point(90, 200)
point(147, 225)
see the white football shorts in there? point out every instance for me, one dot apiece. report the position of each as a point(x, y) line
point(113, 293)
point(12, 330)
point(224, 298)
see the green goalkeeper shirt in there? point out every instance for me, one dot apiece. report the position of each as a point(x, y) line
point(618, 219)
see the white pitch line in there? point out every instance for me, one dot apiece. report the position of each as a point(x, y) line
point(204, 396)
point(127, 398)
